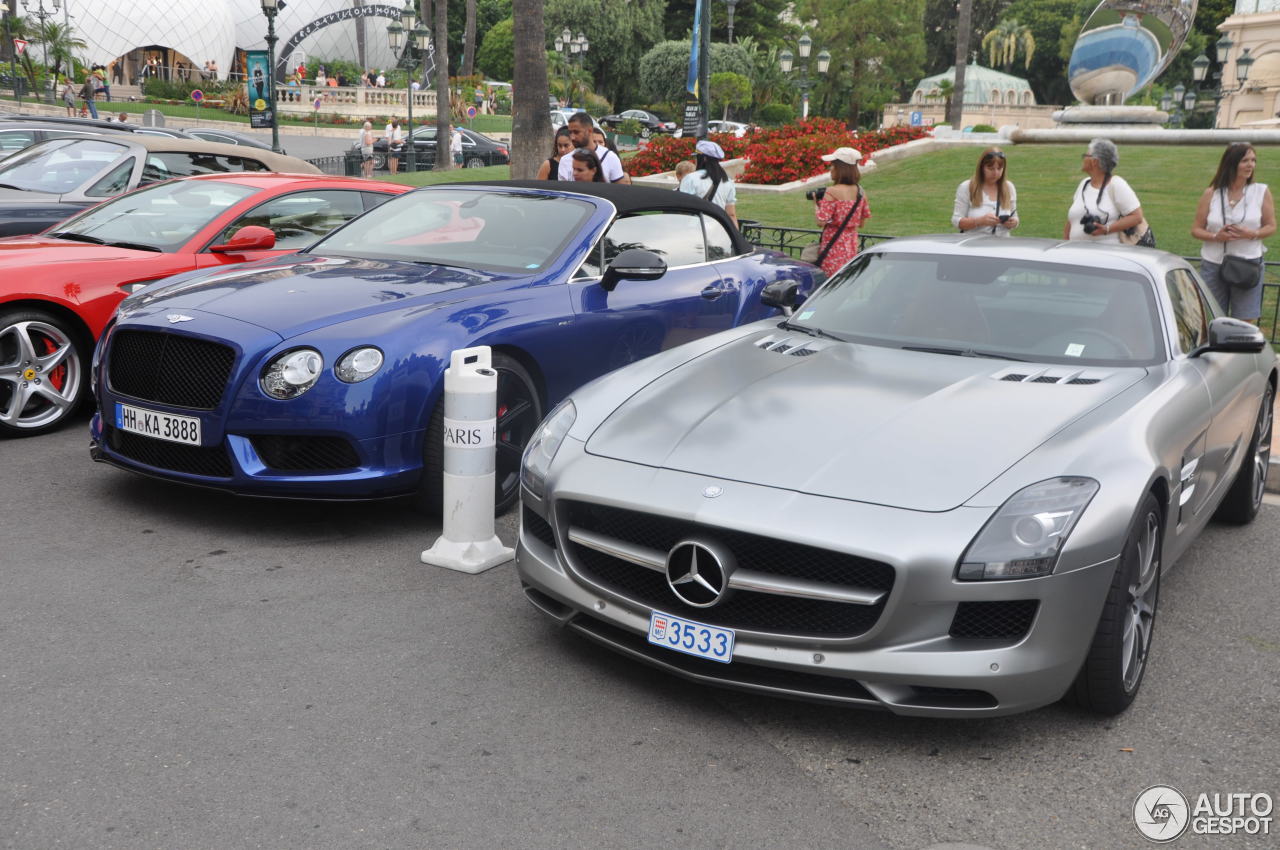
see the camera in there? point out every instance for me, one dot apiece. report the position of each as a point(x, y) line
point(1090, 222)
point(1004, 217)
point(816, 194)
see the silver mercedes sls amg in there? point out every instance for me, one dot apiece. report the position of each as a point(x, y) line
point(946, 484)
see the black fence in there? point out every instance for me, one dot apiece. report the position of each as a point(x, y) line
point(343, 165)
point(792, 240)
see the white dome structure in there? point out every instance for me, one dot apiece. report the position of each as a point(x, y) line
point(193, 32)
point(199, 30)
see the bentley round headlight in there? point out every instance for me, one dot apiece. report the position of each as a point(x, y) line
point(358, 364)
point(291, 374)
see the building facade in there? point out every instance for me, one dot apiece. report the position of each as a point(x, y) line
point(1255, 28)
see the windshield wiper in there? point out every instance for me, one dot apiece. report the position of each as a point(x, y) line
point(819, 332)
point(136, 246)
point(11, 186)
point(78, 237)
point(962, 352)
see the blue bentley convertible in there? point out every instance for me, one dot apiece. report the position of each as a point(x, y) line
point(319, 375)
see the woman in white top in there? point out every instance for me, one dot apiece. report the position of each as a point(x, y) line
point(987, 203)
point(395, 144)
point(366, 150)
point(1103, 204)
point(709, 180)
point(1233, 217)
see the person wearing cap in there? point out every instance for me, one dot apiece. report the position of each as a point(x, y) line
point(841, 209)
point(709, 181)
point(987, 203)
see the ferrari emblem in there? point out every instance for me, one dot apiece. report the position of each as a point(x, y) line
point(29, 375)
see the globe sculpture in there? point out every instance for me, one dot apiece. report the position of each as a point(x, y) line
point(1124, 45)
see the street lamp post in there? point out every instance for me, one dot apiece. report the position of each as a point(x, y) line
point(786, 61)
point(574, 50)
point(732, 4)
point(418, 37)
point(1200, 71)
point(1181, 101)
point(43, 15)
point(271, 8)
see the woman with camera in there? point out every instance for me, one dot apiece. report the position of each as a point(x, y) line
point(1103, 205)
point(840, 209)
point(987, 203)
point(1234, 215)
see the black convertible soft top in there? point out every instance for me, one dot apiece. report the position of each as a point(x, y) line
point(628, 200)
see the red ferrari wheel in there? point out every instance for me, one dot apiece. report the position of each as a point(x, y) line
point(43, 372)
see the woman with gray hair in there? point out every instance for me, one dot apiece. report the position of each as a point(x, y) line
point(1103, 205)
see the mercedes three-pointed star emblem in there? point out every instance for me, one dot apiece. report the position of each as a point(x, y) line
point(698, 572)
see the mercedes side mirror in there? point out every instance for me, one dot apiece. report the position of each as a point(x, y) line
point(633, 264)
point(1232, 335)
point(781, 294)
point(249, 238)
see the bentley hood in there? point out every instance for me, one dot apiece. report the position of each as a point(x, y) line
point(298, 293)
point(914, 430)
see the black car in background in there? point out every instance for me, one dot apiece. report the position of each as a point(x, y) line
point(649, 122)
point(477, 150)
point(227, 137)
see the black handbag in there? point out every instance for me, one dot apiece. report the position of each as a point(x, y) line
point(1237, 272)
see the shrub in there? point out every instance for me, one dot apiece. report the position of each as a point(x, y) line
point(983, 128)
point(630, 127)
point(776, 113)
point(665, 151)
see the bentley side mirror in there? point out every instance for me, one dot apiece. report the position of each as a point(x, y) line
point(1232, 335)
point(780, 294)
point(248, 238)
point(632, 264)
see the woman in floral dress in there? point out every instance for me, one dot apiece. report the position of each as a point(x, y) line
point(833, 206)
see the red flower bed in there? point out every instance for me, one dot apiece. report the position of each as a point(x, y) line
point(665, 151)
point(779, 155)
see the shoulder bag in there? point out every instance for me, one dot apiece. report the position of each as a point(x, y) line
point(1236, 272)
point(815, 252)
point(1140, 234)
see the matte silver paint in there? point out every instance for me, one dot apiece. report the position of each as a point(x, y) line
point(900, 457)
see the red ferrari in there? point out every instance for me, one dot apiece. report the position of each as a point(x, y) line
point(58, 289)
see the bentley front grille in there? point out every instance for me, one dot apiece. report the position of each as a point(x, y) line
point(210, 461)
point(169, 368)
point(775, 587)
point(300, 453)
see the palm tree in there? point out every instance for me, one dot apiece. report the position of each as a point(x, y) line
point(1006, 41)
point(531, 126)
point(955, 108)
point(60, 45)
point(469, 42)
point(19, 27)
point(444, 159)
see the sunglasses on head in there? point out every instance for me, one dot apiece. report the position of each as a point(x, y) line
point(994, 155)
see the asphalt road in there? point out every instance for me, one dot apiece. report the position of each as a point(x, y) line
point(182, 669)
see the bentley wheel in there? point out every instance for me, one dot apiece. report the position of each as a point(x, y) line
point(518, 416)
point(1243, 500)
point(1117, 659)
point(43, 372)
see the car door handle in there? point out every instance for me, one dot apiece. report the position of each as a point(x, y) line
point(711, 293)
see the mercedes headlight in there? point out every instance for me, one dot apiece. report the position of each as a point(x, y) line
point(358, 365)
point(544, 445)
point(1025, 537)
point(291, 374)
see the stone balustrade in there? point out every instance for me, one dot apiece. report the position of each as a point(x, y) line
point(353, 101)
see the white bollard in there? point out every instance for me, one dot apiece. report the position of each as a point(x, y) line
point(468, 543)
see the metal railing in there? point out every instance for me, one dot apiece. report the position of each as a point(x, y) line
point(792, 240)
point(342, 165)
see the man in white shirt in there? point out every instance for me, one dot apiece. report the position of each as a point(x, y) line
point(395, 144)
point(580, 132)
point(455, 145)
